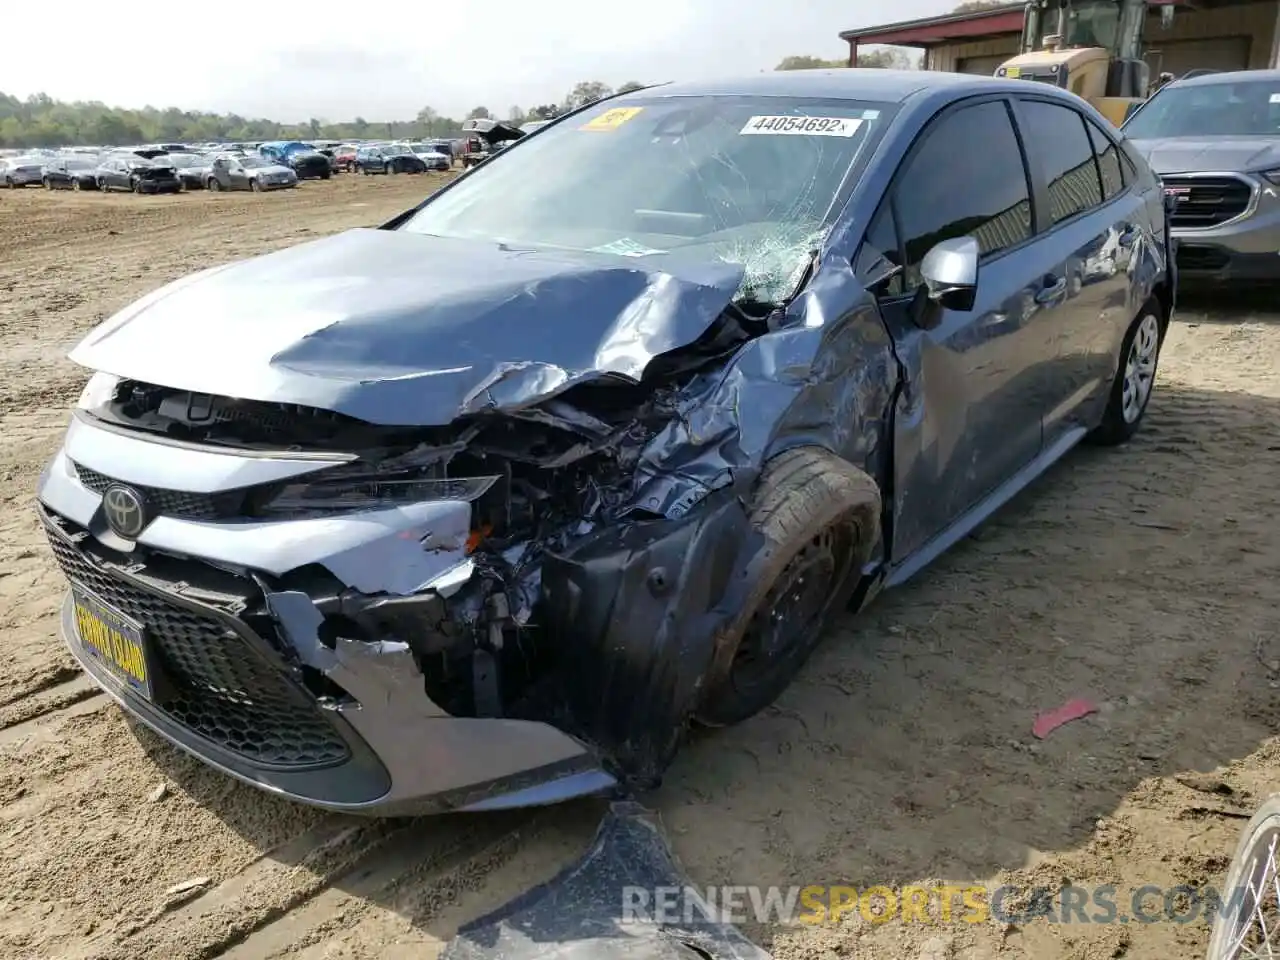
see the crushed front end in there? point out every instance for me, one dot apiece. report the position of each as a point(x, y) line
point(391, 620)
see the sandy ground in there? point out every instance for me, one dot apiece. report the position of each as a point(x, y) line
point(1143, 578)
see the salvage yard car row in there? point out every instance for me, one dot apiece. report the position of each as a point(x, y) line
point(171, 168)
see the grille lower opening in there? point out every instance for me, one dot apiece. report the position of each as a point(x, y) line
point(219, 686)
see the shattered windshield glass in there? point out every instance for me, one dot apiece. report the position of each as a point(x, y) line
point(744, 180)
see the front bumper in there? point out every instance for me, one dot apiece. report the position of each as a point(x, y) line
point(238, 657)
point(1244, 250)
point(332, 628)
point(161, 186)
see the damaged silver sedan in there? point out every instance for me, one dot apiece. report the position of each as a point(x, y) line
point(485, 506)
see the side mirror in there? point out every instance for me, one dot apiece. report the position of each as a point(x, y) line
point(950, 273)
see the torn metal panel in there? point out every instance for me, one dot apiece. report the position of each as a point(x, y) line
point(580, 914)
point(826, 378)
point(401, 328)
point(642, 606)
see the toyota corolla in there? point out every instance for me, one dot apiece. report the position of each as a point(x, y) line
point(485, 506)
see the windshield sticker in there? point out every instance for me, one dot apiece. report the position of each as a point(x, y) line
point(1275, 98)
point(1013, 73)
point(802, 126)
point(611, 119)
point(626, 247)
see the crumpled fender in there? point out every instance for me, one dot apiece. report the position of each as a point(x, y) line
point(642, 606)
point(579, 914)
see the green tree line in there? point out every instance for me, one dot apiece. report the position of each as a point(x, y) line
point(41, 121)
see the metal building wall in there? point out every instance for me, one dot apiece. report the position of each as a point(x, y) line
point(1254, 22)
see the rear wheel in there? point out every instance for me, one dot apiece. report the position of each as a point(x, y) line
point(137, 185)
point(820, 517)
point(1135, 378)
point(255, 185)
point(104, 186)
point(48, 184)
point(8, 183)
point(75, 184)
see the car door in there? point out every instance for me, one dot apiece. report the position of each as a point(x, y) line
point(1087, 232)
point(115, 175)
point(237, 176)
point(964, 422)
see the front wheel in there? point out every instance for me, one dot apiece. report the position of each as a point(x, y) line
point(104, 186)
point(8, 183)
point(255, 185)
point(137, 186)
point(48, 184)
point(214, 185)
point(819, 517)
point(75, 185)
point(1135, 378)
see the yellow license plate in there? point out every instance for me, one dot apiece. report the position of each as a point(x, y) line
point(113, 640)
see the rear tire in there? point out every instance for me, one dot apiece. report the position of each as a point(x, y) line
point(214, 185)
point(48, 184)
point(255, 185)
point(1135, 378)
point(75, 185)
point(104, 187)
point(820, 518)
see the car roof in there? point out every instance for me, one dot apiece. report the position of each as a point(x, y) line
point(1229, 76)
point(867, 83)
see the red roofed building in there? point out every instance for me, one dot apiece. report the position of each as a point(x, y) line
point(1205, 34)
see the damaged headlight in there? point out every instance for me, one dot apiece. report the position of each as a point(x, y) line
point(98, 392)
point(373, 492)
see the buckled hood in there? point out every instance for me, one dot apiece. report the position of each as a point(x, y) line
point(405, 329)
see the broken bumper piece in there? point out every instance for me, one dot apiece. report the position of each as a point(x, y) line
point(224, 686)
point(582, 913)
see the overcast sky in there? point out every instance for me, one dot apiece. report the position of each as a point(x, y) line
point(338, 59)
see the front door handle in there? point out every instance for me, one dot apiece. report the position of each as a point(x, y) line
point(1052, 291)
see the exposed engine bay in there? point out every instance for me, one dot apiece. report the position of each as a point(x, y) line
point(539, 479)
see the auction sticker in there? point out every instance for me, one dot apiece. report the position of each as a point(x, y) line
point(611, 119)
point(802, 126)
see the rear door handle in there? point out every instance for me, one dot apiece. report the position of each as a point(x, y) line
point(1052, 291)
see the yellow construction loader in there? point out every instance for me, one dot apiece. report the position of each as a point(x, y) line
point(1091, 47)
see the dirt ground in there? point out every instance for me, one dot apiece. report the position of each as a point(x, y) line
point(1143, 578)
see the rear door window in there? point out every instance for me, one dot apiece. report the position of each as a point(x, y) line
point(1110, 169)
point(966, 178)
point(1058, 142)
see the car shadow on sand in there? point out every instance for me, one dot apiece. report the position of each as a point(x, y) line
point(1140, 578)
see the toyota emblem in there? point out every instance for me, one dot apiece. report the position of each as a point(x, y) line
point(125, 509)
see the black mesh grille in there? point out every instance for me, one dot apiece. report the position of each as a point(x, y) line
point(1207, 201)
point(174, 503)
point(218, 685)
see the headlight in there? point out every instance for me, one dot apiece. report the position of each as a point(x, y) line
point(371, 492)
point(1271, 175)
point(98, 392)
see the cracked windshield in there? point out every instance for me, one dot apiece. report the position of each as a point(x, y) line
point(750, 181)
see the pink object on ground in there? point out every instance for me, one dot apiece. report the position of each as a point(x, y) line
point(1048, 722)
